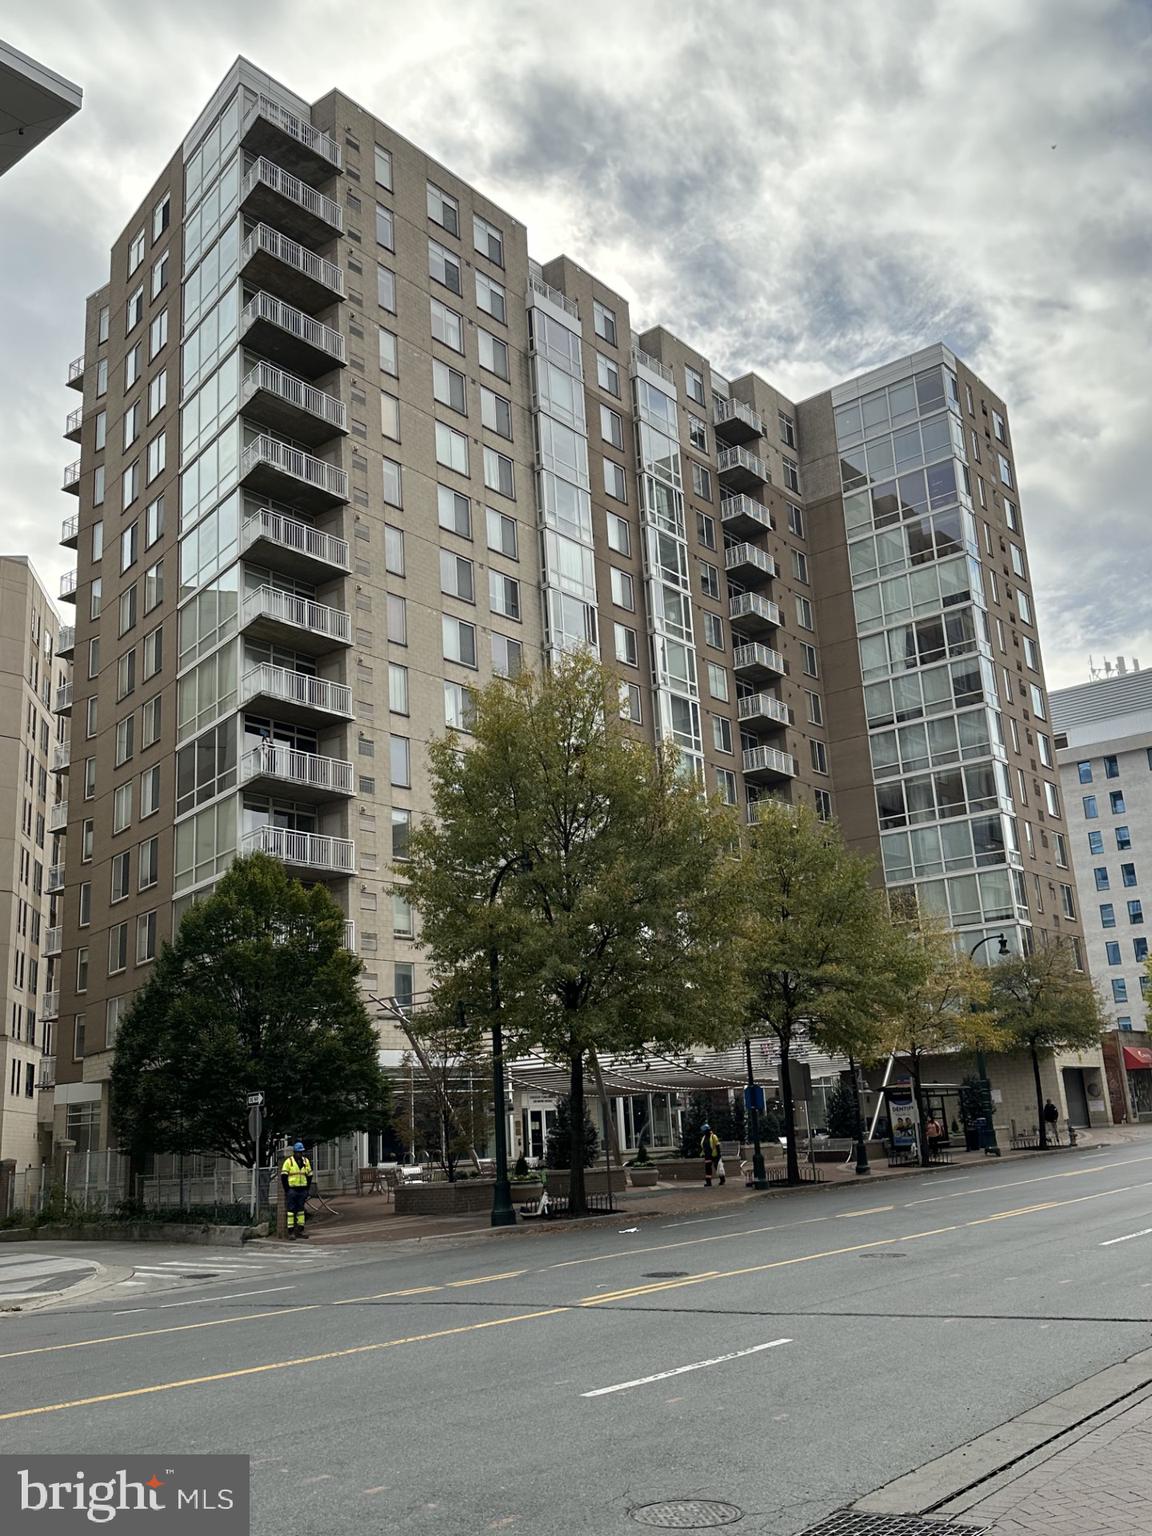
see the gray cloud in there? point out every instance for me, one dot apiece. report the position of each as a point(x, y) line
point(800, 190)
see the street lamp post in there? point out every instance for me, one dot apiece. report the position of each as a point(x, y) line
point(862, 1164)
point(981, 1065)
point(503, 1211)
point(759, 1175)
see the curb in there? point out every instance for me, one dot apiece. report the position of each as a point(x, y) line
point(106, 1276)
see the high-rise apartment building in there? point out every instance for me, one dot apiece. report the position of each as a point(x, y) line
point(35, 697)
point(1104, 748)
point(348, 452)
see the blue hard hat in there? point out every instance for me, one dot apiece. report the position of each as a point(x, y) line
point(299, 1147)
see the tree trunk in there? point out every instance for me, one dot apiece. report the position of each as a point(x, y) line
point(1040, 1120)
point(577, 1201)
point(791, 1157)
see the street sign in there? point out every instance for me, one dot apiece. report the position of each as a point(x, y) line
point(255, 1120)
point(254, 1099)
point(754, 1097)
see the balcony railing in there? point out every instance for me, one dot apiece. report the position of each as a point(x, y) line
point(350, 935)
point(749, 561)
point(742, 468)
point(751, 611)
point(71, 480)
point(733, 419)
point(304, 850)
point(756, 708)
point(68, 587)
point(321, 271)
point(66, 643)
point(308, 137)
point(266, 455)
point(554, 296)
point(58, 816)
point(50, 1006)
point(53, 940)
point(768, 762)
point(264, 173)
point(646, 360)
point(62, 704)
point(70, 531)
point(74, 424)
point(300, 612)
point(297, 688)
point(55, 880)
point(301, 539)
point(76, 373)
point(46, 1078)
point(758, 660)
point(61, 756)
point(267, 379)
point(742, 514)
point(308, 770)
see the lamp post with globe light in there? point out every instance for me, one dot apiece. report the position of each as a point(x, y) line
point(992, 1148)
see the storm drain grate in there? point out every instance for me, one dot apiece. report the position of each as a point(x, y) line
point(664, 1274)
point(854, 1522)
point(687, 1514)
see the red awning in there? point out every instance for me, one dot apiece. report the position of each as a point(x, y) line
point(1137, 1057)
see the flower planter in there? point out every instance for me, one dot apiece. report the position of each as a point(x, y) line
point(642, 1177)
point(526, 1191)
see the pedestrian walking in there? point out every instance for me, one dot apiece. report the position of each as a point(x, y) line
point(296, 1177)
point(1052, 1120)
point(934, 1131)
point(710, 1152)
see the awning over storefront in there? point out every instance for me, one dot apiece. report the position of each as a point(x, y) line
point(1137, 1058)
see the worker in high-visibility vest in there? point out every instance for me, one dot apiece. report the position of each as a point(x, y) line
point(296, 1177)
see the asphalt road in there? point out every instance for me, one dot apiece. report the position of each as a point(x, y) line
point(534, 1381)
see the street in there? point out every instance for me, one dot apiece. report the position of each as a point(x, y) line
point(551, 1380)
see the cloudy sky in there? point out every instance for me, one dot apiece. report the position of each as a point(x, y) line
point(800, 189)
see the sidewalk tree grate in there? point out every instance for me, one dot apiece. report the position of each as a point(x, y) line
point(854, 1522)
point(687, 1514)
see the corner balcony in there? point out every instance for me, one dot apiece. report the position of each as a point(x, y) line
point(46, 1080)
point(642, 359)
point(284, 618)
point(61, 757)
point(747, 562)
point(66, 640)
point(68, 587)
point(55, 879)
point(736, 422)
point(287, 404)
point(284, 473)
point(290, 270)
point(762, 711)
point(74, 424)
point(275, 767)
point(53, 941)
point(757, 663)
point(295, 696)
point(309, 852)
point(269, 127)
point(289, 336)
point(50, 1006)
point(58, 816)
point(741, 514)
point(75, 379)
point(762, 764)
point(71, 480)
point(62, 703)
point(70, 531)
point(294, 548)
point(271, 193)
point(753, 615)
point(741, 470)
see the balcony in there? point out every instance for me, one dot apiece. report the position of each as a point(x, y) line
point(55, 880)
point(350, 935)
point(290, 270)
point(291, 337)
point(75, 378)
point(741, 514)
point(296, 696)
point(71, 481)
point(741, 470)
point(309, 852)
point(50, 1006)
point(62, 704)
point(762, 711)
point(68, 587)
point(753, 615)
point(747, 562)
point(294, 142)
point(753, 809)
point(757, 663)
point(736, 422)
point(289, 474)
point(74, 424)
point(66, 641)
point(46, 1080)
point(282, 617)
point(268, 192)
point(762, 764)
point(58, 816)
point(53, 941)
point(61, 756)
point(287, 404)
point(70, 531)
point(292, 547)
point(653, 364)
point(310, 777)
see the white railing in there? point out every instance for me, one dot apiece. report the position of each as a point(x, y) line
point(262, 306)
point(735, 410)
point(737, 555)
point(46, 1078)
point(741, 506)
point(297, 688)
point(306, 850)
point(55, 879)
point(769, 759)
point(350, 935)
point(300, 612)
point(264, 172)
point(70, 528)
point(53, 940)
point(68, 584)
point(292, 254)
point(740, 458)
point(50, 1006)
point(286, 386)
point(546, 290)
point(757, 655)
point(61, 756)
point(67, 639)
point(63, 700)
point(329, 478)
point(58, 816)
point(276, 761)
point(762, 706)
point(302, 538)
point(646, 360)
point(76, 369)
point(74, 421)
point(71, 476)
point(315, 139)
point(749, 605)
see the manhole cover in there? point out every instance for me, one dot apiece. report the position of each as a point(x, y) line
point(687, 1514)
point(853, 1522)
point(664, 1274)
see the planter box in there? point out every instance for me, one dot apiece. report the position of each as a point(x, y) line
point(524, 1192)
point(469, 1197)
point(150, 1232)
point(595, 1181)
point(643, 1177)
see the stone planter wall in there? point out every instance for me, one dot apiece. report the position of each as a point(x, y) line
point(468, 1197)
point(595, 1181)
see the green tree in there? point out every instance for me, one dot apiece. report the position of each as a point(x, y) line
point(813, 926)
point(256, 992)
point(840, 1110)
point(1044, 1003)
point(558, 1153)
point(573, 882)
